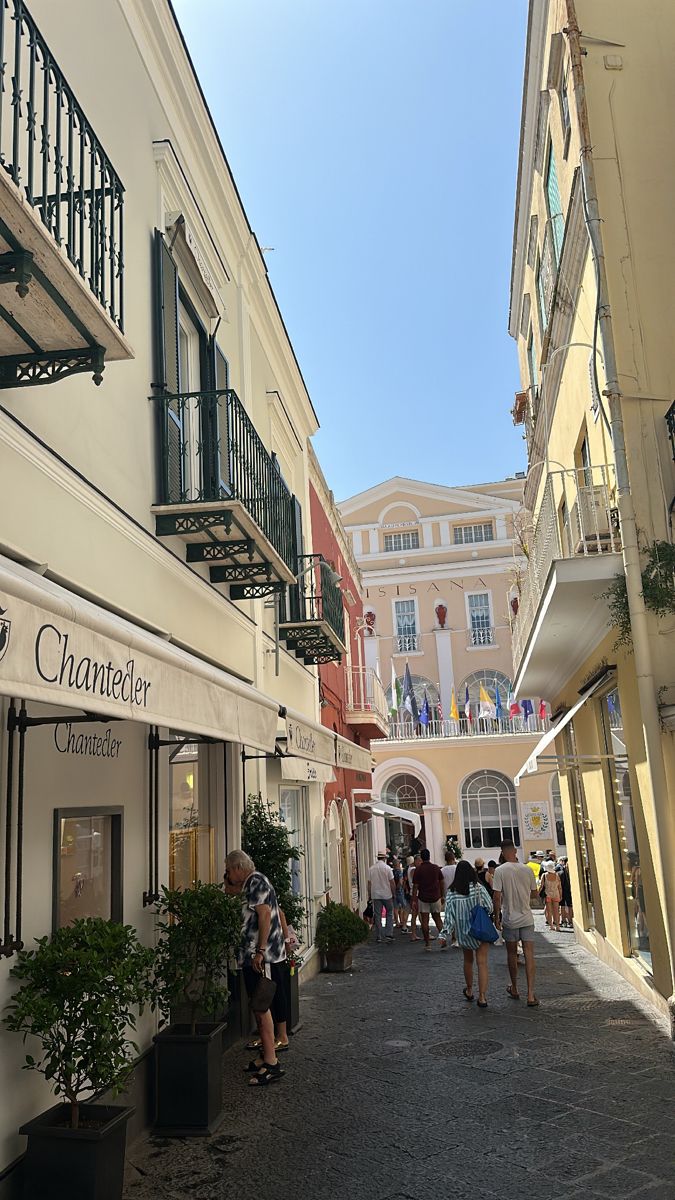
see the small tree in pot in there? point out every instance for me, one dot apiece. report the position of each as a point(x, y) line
point(199, 929)
point(79, 996)
point(338, 930)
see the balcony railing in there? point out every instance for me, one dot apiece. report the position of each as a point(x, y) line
point(463, 728)
point(366, 693)
point(407, 642)
point(577, 519)
point(481, 637)
point(315, 598)
point(52, 153)
point(670, 422)
point(211, 451)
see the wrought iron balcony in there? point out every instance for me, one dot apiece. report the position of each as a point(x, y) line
point(670, 422)
point(311, 617)
point(577, 523)
point(483, 636)
point(403, 731)
point(367, 702)
point(222, 492)
point(407, 643)
point(61, 220)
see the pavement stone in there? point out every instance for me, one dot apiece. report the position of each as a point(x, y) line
point(394, 1085)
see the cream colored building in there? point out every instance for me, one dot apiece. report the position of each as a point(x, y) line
point(149, 527)
point(441, 567)
point(592, 311)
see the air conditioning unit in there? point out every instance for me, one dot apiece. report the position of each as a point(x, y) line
point(590, 521)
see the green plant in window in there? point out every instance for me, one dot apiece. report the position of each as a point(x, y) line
point(658, 590)
point(268, 842)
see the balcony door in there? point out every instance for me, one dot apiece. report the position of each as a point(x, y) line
point(190, 380)
point(406, 625)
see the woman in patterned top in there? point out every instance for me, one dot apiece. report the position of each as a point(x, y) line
point(462, 897)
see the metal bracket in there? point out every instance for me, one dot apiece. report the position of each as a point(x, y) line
point(256, 591)
point(240, 572)
point(215, 551)
point(17, 267)
point(26, 370)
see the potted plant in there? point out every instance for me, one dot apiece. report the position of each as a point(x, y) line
point(79, 995)
point(200, 928)
point(338, 929)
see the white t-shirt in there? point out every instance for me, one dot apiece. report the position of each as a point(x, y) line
point(381, 877)
point(516, 882)
point(448, 873)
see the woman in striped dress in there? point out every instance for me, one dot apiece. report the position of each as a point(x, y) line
point(463, 896)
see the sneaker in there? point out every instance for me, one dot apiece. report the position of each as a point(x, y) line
point(388, 939)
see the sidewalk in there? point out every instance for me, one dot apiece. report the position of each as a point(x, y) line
point(396, 1087)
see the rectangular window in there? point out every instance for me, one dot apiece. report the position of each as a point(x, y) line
point(87, 864)
point(542, 308)
point(565, 111)
point(406, 625)
point(532, 360)
point(480, 620)
point(474, 533)
point(554, 204)
point(191, 834)
point(402, 541)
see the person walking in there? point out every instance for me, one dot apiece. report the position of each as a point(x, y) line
point(261, 953)
point(429, 891)
point(465, 893)
point(552, 895)
point(567, 911)
point(382, 893)
point(513, 887)
point(448, 873)
point(413, 864)
point(400, 906)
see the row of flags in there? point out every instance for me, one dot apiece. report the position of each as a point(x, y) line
point(404, 698)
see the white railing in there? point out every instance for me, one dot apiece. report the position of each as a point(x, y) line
point(481, 637)
point(478, 727)
point(366, 693)
point(577, 519)
point(407, 642)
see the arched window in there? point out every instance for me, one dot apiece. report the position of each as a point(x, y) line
point(489, 810)
point(487, 679)
point(420, 685)
point(404, 791)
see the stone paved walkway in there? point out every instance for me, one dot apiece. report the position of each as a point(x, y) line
point(395, 1088)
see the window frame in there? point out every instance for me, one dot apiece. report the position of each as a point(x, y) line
point(402, 535)
point(467, 802)
point(484, 526)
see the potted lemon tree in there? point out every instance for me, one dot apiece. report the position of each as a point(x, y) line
point(338, 930)
point(79, 995)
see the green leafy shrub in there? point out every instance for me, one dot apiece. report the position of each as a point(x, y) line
point(79, 996)
point(198, 936)
point(338, 928)
point(658, 591)
point(268, 842)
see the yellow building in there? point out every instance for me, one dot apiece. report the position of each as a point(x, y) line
point(441, 568)
point(591, 309)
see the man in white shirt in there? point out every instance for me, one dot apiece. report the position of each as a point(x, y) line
point(513, 887)
point(382, 892)
point(448, 873)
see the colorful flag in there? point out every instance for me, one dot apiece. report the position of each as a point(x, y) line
point(454, 714)
point(486, 707)
point(467, 704)
point(528, 709)
point(542, 710)
point(513, 706)
point(409, 701)
point(498, 703)
point(439, 706)
point(395, 693)
point(424, 712)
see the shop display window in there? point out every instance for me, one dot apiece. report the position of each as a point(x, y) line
point(87, 864)
point(191, 836)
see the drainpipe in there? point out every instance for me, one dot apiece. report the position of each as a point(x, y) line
point(658, 800)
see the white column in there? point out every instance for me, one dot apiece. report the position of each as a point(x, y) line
point(445, 532)
point(446, 677)
point(427, 534)
point(372, 651)
point(433, 827)
point(357, 543)
point(500, 528)
point(374, 541)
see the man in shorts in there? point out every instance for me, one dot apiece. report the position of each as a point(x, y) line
point(513, 887)
point(429, 892)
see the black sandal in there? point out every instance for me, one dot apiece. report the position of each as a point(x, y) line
point(266, 1074)
point(253, 1067)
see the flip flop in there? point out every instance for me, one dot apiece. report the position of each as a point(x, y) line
point(467, 996)
point(254, 1044)
point(512, 994)
point(533, 1003)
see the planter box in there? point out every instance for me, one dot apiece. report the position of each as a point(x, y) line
point(189, 1089)
point(338, 960)
point(63, 1163)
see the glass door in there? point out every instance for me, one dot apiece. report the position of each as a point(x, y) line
point(189, 374)
point(582, 828)
point(191, 834)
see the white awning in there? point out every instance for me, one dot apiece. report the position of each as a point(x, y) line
point(307, 739)
point(530, 766)
point(379, 809)
point(348, 754)
point(57, 648)
point(303, 770)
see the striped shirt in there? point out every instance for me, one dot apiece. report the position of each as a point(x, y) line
point(458, 910)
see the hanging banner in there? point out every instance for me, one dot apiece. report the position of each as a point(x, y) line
point(303, 770)
point(351, 756)
point(305, 740)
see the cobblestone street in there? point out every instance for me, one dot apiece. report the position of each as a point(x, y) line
point(394, 1085)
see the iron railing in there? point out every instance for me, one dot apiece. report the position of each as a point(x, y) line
point(211, 450)
point(50, 150)
point(366, 692)
point(670, 422)
point(315, 597)
point(400, 731)
point(484, 636)
point(548, 273)
point(577, 519)
point(407, 642)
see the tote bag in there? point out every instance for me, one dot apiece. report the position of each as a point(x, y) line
point(481, 927)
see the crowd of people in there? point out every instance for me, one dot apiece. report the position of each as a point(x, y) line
point(401, 893)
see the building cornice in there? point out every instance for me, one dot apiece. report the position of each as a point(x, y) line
point(433, 573)
point(431, 491)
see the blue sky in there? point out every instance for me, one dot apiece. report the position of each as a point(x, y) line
point(374, 144)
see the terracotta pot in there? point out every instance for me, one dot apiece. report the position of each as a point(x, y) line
point(442, 615)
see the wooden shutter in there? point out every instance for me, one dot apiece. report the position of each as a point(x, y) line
point(167, 378)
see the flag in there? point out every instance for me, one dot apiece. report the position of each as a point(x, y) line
point(424, 713)
point(542, 710)
point(611, 706)
point(395, 693)
point(439, 706)
point(513, 705)
point(527, 709)
point(454, 714)
point(467, 703)
point(409, 701)
point(498, 703)
point(486, 707)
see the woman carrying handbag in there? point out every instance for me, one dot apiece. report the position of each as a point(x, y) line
point(467, 910)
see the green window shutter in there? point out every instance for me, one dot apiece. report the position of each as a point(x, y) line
point(167, 383)
point(297, 590)
point(554, 204)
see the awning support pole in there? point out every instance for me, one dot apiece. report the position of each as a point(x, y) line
point(23, 717)
point(7, 947)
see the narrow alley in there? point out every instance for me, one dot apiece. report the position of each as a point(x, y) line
point(395, 1088)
